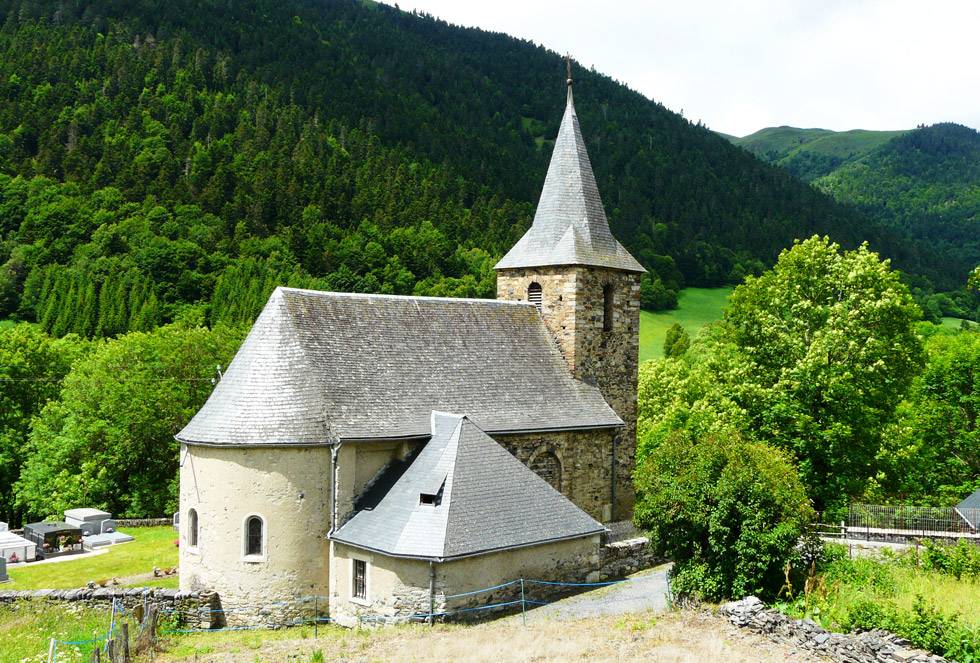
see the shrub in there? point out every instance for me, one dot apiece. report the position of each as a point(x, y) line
point(924, 626)
point(962, 559)
point(728, 512)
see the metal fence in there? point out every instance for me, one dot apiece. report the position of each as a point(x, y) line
point(912, 520)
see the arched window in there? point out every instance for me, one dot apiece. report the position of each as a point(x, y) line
point(254, 536)
point(192, 528)
point(547, 466)
point(534, 294)
point(608, 302)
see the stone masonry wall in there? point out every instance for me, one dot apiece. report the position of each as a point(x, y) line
point(585, 459)
point(572, 306)
point(197, 608)
point(867, 647)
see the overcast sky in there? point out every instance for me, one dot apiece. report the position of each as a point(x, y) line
point(742, 65)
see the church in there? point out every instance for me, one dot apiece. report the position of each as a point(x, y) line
point(391, 452)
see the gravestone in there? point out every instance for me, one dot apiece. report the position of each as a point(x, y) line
point(3, 570)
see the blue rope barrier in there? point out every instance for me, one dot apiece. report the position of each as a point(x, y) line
point(74, 643)
point(481, 591)
point(577, 584)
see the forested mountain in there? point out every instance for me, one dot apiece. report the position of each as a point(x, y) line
point(177, 160)
point(812, 153)
point(924, 183)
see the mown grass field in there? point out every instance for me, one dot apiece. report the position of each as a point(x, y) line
point(154, 546)
point(26, 629)
point(696, 307)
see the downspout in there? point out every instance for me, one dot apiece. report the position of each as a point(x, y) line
point(612, 482)
point(432, 591)
point(335, 471)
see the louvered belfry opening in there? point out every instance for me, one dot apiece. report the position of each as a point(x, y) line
point(534, 295)
point(608, 302)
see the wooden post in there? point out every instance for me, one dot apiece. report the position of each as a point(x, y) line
point(523, 602)
point(97, 655)
point(52, 646)
point(148, 630)
point(125, 642)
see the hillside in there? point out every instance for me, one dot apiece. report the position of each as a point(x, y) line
point(925, 183)
point(178, 160)
point(812, 153)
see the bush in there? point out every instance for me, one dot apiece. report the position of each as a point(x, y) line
point(924, 626)
point(960, 560)
point(728, 512)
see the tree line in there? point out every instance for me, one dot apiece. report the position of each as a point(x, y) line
point(151, 156)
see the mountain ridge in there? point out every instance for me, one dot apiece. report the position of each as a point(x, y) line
point(342, 146)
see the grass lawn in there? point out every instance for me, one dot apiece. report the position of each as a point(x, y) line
point(695, 308)
point(26, 629)
point(953, 324)
point(6, 323)
point(154, 546)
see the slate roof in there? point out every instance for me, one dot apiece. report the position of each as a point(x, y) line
point(969, 510)
point(489, 501)
point(322, 366)
point(570, 226)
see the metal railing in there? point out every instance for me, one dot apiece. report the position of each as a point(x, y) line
point(912, 520)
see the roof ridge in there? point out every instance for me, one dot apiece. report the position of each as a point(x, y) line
point(424, 298)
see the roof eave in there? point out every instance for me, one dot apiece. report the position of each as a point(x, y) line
point(475, 553)
point(532, 264)
point(396, 438)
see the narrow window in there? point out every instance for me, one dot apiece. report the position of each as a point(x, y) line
point(608, 300)
point(253, 536)
point(192, 528)
point(359, 580)
point(534, 295)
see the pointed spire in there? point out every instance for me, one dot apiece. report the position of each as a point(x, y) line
point(570, 225)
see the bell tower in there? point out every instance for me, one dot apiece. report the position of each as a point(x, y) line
point(586, 286)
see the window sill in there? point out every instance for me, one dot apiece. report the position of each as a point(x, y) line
point(254, 559)
point(193, 550)
point(358, 601)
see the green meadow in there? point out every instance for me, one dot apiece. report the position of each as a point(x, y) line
point(696, 307)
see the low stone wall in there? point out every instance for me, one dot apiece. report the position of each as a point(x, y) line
point(143, 522)
point(868, 647)
point(621, 558)
point(197, 609)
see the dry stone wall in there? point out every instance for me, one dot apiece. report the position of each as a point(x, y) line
point(868, 647)
point(198, 609)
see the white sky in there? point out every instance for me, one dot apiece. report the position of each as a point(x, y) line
point(742, 65)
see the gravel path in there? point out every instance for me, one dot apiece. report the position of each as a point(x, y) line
point(646, 590)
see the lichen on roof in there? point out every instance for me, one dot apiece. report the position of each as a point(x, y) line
point(321, 366)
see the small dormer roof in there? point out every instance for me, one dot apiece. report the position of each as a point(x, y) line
point(570, 225)
point(488, 501)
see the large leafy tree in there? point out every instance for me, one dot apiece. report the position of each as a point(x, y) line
point(32, 366)
point(107, 441)
point(831, 343)
point(811, 357)
point(932, 452)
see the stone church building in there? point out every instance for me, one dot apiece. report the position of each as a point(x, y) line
point(389, 452)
